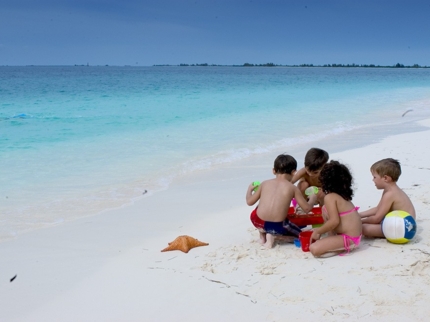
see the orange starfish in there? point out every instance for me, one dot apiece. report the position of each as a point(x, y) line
point(184, 244)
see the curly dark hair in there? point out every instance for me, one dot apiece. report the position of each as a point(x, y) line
point(336, 177)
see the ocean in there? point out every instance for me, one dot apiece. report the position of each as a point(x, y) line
point(77, 140)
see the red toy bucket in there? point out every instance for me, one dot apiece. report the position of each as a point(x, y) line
point(305, 239)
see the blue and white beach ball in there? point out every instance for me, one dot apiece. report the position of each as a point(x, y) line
point(399, 227)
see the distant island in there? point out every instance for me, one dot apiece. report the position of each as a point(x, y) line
point(398, 65)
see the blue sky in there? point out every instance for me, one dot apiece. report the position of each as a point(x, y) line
point(148, 32)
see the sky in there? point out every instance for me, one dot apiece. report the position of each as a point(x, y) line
point(225, 32)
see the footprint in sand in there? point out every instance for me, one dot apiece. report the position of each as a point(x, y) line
point(420, 268)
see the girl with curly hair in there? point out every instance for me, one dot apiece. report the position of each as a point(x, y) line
point(342, 223)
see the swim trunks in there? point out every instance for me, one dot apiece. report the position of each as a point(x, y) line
point(283, 228)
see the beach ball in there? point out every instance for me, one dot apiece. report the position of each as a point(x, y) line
point(399, 227)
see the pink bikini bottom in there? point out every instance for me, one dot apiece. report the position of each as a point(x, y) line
point(346, 239)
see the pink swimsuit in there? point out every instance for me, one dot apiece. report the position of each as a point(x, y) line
point(346, 238)
point(347, 212)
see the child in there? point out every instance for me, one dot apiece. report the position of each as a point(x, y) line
point(275, 196)
point(314, 161)
point(385, 174)
point(341, 219)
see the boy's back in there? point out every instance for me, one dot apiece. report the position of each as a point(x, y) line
point(399, 200)
point(275, 199)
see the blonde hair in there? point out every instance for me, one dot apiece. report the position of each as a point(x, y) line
point(387, 167)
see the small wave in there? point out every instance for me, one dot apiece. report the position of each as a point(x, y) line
point(21, 116)
point(229, 156)
point(17, 116)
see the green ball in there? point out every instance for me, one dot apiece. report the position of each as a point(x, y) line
point(256, 184)
point(312, 190)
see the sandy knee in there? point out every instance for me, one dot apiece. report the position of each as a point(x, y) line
point(314, 249)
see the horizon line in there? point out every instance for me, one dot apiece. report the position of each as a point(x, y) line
point(334, 65)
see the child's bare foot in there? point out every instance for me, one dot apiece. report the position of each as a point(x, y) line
point(262, 238)
point(270, 240)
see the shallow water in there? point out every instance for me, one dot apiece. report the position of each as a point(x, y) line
point(78, 140)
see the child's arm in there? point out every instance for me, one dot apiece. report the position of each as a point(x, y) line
point(375, 215)
point(305, 205)
point(298, 175)
point(252, 198)
point(333, 219)
point(368, 213)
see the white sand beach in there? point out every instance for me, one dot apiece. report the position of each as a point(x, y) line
point(108, 267)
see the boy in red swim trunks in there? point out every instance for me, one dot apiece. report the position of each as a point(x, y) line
point(274, 198)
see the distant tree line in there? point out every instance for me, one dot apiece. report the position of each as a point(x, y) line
point(398, 65)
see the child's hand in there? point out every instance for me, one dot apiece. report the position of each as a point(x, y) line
point(252, 194)
point(315, 235)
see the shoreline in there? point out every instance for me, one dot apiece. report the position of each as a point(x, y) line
point(109, 266)
point(107, 159)
point(358, 137)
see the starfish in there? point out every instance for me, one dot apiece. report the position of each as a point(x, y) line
point(184, 244)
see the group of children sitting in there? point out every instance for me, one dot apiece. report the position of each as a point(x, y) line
point(343, 224)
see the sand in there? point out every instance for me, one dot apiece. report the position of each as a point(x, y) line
point(108, 267)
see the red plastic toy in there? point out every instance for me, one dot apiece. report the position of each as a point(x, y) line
point(309, 219)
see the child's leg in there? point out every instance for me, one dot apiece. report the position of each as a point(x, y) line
point(262, 238)
point(372, 230)
point(328, 244)
point(303, 185)
point(270, 241)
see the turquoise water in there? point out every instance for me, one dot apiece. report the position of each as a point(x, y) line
point(78, 140)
